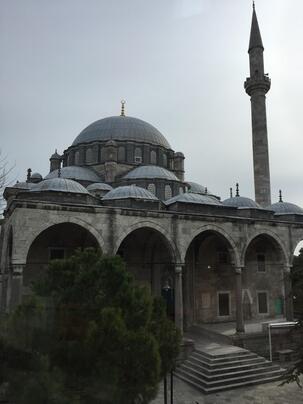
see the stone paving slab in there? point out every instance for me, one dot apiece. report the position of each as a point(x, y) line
point(268, 393)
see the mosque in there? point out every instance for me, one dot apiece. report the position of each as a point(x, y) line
point(121, 187)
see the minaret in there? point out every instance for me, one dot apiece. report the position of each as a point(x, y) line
point(256, 86)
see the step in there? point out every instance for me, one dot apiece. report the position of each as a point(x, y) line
point(210, 390)
point(257, 377)
point(221, 359)
point(222, 376)
point(222, 355)
point(229, 363)
point(222, 370)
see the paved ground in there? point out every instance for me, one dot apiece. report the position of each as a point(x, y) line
point(270, 393)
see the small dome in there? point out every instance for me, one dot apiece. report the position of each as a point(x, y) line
point(241, 202)
point(55, 156)
point(123, 128)
point(75, 173)
point(130, 191)
point(179, 154)
point(36, 176)
point(196, 188)
point(59, 185)
point(151, 172)
point(99, 186)
point(285, 208)
point(194, 198)
point(24, 185)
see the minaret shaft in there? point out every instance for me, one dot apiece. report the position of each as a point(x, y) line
point(257, 85)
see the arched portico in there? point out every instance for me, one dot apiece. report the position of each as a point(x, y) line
point(151, 257)
point(209, 279)
point(265, 278)
point(54, 242)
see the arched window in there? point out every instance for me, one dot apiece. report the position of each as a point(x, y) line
point(103, 154)
point(138, 155)
point(153, 157)
point(181, 191)
point(152, 188)
point(167, 192)
point(89, 156)
point(164, 160)
point(121, 153)
point(77, 158)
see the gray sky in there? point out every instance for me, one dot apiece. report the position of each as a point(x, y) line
point(180, 65)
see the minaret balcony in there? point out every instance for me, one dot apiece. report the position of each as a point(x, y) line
point(253, 84)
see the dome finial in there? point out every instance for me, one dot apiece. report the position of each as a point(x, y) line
point(280, 196)
point(122, 108)
point(231, 192)
point(253, 5)
point(206, 191)
point(237, 189)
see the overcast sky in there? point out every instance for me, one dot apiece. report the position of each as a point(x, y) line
point(179, 64)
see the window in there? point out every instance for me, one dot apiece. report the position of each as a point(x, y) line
point(181, 190)
point(262, 303)
point(77, 158)
point(167, 192)
point(121, 153)
point(103, 154)
point(153, 157)
point(164, 160)
point(56, 253)
point(138, 155)
point(261, 262)
point(223, 304)
point(89, 156)
point(152, 188)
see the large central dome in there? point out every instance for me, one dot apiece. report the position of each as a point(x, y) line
point(122, 128)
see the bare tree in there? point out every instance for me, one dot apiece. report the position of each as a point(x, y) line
point(5, 177)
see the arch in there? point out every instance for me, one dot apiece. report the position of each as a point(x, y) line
point(273, 237)
point(222, 233)
point(73, 220)
point(153, 226)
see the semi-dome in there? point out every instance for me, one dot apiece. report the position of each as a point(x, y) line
point(75, 173)
point(194, 198)
point(59, 185)
point(99, 186)
point(151, 172)
point(241, 202)
point(130, 191)
point(122, 128)
point(285, 208)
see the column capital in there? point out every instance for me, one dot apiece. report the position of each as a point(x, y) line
point(238, 269)
point(17, 269)
point(287, 268)
point(179, 267)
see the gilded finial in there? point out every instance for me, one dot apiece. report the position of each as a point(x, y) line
point(231, 192)
point(280, 196)
point(237, 189)
point(29, 174)
point(122, 108)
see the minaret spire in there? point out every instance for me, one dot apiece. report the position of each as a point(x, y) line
point(256, 86)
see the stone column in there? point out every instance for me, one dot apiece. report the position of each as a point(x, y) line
point(289, 311)
point(178, 297)
point(15, 284)
point(239, 305)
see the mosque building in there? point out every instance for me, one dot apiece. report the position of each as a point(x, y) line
point(122, 188)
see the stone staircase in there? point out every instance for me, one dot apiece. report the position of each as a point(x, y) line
point(226, 367)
